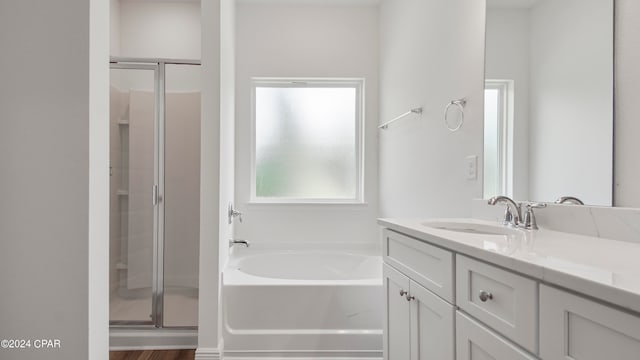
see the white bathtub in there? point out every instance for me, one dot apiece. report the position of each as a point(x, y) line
point(302, 304)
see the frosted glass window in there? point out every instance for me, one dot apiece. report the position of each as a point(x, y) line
point(307, 141)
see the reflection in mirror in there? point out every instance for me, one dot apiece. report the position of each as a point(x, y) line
point(549, 100)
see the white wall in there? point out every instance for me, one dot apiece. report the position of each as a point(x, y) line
point(280, 39)
point(626, 125)
point(431, 53)
point(157, 29)
point(98, 263)
point(208, 332)
point(160, 29)
point(569, 107)
point(114, 27)
point(507, 57)
point(217, 164)
point(227, 131)
point(54, 183)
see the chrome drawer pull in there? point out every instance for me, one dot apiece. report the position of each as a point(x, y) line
point(484, 296)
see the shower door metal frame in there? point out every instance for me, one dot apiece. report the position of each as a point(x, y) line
point(158, 188)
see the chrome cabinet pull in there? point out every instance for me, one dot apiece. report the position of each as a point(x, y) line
point(406, 295)
point(484, 296)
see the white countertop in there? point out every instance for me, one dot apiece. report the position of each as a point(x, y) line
point(604, 269)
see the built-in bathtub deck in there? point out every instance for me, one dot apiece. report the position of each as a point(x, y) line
point(309, 303)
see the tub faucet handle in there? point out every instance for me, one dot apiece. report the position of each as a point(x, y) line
point(233, 213)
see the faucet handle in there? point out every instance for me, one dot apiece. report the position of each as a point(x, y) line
point(508, 216)
point(233, 213)
point(529, 218)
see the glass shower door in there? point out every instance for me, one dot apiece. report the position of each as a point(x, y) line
point(133, 194)
point(181, 195)
point(155, 194)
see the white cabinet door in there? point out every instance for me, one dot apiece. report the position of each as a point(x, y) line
point(574, 328)
point(418, 324)
point(477, 342)
point(432, 330)
point(397, 322)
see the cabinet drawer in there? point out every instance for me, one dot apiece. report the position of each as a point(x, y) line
point(476, 342)
point(501, 299)
point(430, 266)
point(575, 328)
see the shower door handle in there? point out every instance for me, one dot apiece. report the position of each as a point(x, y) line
point(154, 195)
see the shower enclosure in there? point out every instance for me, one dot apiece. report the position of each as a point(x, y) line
point(154, 193)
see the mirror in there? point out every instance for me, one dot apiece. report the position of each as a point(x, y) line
point(549, 100)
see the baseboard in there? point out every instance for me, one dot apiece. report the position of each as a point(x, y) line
point(302, 355)
point(208, 354)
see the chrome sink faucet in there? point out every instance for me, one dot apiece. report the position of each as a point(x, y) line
point(512, 213)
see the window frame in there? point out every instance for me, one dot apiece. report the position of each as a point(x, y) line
point(355, 83)
point(506, 93)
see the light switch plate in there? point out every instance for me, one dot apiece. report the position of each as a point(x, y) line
point(471, 167)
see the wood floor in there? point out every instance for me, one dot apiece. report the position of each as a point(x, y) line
point(153, 355)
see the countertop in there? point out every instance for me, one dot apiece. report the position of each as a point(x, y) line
point(603, 269)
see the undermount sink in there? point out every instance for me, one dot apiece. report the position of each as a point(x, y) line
point(472, 227)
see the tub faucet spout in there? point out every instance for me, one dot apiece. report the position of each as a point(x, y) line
point(237, 241)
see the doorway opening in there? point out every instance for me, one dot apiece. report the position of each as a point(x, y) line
point(154, 194)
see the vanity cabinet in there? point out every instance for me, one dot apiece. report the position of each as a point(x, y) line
point(418, 324)
point(419, 291)
point(494, 313)
point(575, 328)
point(475, 341)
